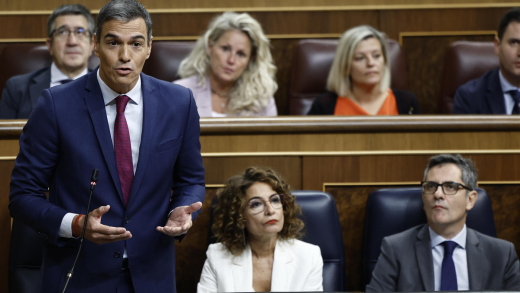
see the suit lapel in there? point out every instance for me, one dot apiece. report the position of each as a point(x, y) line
point(96, 107)
point(243, 271)
point(494, 95)
point(38, 84)
point(476, 267)
point(423, 255)
point(281, 270)
point(150, 107)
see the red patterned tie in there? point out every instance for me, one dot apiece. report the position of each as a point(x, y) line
point(123, 148)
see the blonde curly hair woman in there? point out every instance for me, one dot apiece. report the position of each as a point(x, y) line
point(231, 70)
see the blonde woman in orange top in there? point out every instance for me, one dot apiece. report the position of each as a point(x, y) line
point(359, 79)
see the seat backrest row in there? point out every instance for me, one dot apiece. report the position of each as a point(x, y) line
point(310, 67)
point(389, 211)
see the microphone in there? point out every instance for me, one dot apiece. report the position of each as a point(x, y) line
point(93, 181)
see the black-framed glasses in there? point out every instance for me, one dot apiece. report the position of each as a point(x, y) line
point(258, 205)
point(64, 33)
point(449, 188)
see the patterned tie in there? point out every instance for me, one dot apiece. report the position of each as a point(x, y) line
point(448, 273)
point(65, 81)
point(123, 148)
point(516, 99)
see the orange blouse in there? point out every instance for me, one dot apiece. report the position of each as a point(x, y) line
point(345, 106)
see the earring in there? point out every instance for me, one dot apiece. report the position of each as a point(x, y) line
point(244, 237)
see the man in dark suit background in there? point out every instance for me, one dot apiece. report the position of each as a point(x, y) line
point(444, 254)
point(70, 29)
point(143, 136)
point(496, 92)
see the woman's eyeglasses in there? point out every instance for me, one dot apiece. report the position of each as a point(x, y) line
point(258, 205)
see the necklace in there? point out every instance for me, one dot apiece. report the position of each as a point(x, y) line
point(220, 95)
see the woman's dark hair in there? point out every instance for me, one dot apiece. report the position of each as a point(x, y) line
point(230, 222)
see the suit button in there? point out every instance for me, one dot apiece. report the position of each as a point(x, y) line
point(127, 220)
point(117, 255)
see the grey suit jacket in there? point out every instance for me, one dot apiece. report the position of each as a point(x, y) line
point(406, 263)
point(21, 92)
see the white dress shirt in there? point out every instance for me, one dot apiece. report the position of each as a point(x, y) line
point(134, 119)
point(57, 76)
point(459, 258)
point(509, 101)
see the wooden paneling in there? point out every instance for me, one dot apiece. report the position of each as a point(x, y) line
point(223, 168)
point(394, 22)
point(506, 209)
point(49, 5)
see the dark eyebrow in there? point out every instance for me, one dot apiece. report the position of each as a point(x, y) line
point(63, 26)
point(258, 197)
point(138, 37)
point(111, 36)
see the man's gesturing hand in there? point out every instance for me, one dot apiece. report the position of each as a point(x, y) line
point(179, 221)
point(99, 233)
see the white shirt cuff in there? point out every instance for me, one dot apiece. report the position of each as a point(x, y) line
point(66, 226)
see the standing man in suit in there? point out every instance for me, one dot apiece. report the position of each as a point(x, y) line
point(70, 29)
point(143, 136)
point(496, 92)
point(445, 255)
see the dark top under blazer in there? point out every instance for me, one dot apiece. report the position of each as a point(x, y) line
point(480, 96)
point(406, 263)
point(65, 138)
point(326, 103)
point(21, 93)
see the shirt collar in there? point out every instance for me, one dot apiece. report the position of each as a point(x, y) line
point(109, 94)
point(506, 86)
point(57, 75)
point(460, 239)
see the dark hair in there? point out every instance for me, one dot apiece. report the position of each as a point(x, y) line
point(70, 9)
point(466, 166)
point(230, 222)
point(123, 10)
point(510, 16)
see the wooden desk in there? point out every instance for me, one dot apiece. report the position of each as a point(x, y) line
point(345, 156)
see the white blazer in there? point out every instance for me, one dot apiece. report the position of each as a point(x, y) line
point(297, 266)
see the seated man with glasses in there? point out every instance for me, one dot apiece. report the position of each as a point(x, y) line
point(70, 31)
point(445, 255)
point(257, 224)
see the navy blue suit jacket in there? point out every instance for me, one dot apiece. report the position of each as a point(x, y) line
point(480, 96)
point(21, 93)
point(65, 138)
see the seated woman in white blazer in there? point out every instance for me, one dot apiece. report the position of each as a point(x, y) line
point(256, 222)
point(230, 71)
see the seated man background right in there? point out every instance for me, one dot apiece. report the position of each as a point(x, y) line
point(445, 255)
point(496, 92)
